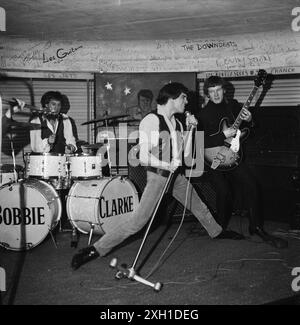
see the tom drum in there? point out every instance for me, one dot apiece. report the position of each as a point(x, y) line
point(45, 165)
point(85, 166)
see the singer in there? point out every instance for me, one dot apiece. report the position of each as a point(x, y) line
point(56, 134)
point(160, 138)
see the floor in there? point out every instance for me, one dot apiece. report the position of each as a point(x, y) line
point(192, 268)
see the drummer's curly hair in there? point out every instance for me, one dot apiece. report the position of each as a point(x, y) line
point(50, 95)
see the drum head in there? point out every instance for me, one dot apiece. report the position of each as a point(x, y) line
point(28, 210)
point(100, 204)
point(118, 199)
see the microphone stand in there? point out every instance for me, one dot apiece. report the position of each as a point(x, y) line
point(130, 273)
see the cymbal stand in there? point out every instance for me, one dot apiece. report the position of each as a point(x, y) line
point(108, 148)
point(13, 157)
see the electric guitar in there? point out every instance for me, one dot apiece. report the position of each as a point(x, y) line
point(229, 155)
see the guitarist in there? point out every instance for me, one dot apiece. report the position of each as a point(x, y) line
point(239, 178)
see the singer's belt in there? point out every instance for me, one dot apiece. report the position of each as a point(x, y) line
point(159, 171)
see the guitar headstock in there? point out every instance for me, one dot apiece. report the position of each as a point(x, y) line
point(260, 78)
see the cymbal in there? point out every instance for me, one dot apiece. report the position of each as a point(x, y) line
point(93, 146)
point(24, 125)
point(81, 143)
point(126, 121)
point(101, 144)
point(104, 118)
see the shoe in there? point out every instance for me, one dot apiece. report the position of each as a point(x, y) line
point(230, 234)
point(269, 239)
point(83, 256)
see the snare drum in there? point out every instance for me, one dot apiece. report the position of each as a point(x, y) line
point(45, 165)
point(28, 211)
point(85, 166)
point(101, 203)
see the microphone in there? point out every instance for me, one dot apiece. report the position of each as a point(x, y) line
point(189, 125)
point(32, 108)
point(15, 102)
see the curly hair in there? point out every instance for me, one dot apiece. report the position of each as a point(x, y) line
point(50, 95)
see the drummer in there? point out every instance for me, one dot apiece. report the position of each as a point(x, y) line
point(56, 133)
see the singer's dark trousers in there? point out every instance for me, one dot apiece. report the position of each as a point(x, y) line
point(239, 182)
point(181, 190)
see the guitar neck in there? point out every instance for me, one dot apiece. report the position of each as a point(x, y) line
point(238, 120)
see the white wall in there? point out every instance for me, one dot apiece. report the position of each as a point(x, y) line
point(252, 51)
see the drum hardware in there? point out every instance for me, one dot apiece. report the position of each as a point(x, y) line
point(74, 238)
point(91, 233)
point(99, 145)
point(52, 237)
point(14, 125)
point(105, 118)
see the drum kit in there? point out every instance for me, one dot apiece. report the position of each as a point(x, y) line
point(30, 202)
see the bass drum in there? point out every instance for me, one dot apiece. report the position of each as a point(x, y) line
point(99, 204)
point(28, 211)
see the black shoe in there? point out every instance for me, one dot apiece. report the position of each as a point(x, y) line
point(230, 234)
point(83, 256)
point(269, 239)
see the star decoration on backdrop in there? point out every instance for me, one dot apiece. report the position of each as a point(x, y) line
point(108, 86)
point(127, 91)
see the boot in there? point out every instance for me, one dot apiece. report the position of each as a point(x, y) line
point(83, 256)
point(269, 239)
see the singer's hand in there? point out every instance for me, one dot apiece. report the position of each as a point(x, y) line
point(175, 163)
point(51, 139)
point(190, 120)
